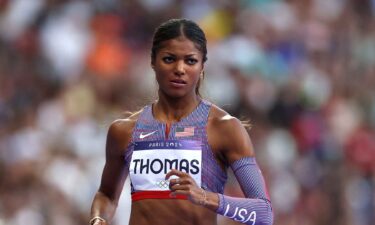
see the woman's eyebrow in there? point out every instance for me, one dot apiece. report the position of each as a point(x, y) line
point(187, 55)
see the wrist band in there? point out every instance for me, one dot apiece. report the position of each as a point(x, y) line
point(92, 221)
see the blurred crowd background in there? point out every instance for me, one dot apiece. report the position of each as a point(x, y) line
point(302, 72)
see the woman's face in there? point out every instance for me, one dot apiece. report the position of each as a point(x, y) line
point(178, 65)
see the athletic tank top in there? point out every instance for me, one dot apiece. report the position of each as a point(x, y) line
point(152, 152)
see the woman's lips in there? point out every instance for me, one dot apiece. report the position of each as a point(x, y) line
point(178, 83)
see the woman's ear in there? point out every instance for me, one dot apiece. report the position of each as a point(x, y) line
point(201, 76)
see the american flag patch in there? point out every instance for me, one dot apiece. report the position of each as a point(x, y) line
point(184, 131)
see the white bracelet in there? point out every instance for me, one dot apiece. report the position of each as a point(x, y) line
point(203, 202)
point(92, 221)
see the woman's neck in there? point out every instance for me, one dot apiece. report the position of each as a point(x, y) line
point(170, 110)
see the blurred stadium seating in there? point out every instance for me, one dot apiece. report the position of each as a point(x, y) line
point(303, 73)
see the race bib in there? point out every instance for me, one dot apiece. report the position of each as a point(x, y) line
point(152, 160)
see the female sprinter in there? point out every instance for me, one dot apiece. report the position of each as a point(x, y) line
point(177, 150)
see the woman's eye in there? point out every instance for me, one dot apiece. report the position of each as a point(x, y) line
point(191, 61)
point(168, 59)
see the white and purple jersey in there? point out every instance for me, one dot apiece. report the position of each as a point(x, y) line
point(155, 149)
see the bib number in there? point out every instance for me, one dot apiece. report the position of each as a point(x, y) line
point(152, 160)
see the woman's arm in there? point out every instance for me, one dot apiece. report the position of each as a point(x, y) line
point(256, 207)
point(229, 139)
point(237, 149)
point(114, 173)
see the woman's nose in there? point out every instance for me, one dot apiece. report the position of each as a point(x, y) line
point(180, 67)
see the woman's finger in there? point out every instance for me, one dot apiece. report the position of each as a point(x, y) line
point(176, 173)
point(180, 182)
point(181, 187)
point(184, 180)
point(180, 192)
point(197, 196)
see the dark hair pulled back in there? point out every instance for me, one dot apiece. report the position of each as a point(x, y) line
point(175, 28)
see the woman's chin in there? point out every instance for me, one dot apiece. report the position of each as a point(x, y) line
point(177, 94)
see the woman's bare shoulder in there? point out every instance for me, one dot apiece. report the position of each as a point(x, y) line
point(228, 135)
point(221, 119)
point(125, 125)
point(120, 131)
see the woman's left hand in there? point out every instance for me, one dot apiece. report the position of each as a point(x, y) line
point(185, 185)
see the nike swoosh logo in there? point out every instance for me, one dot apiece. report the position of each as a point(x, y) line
point(141, 136)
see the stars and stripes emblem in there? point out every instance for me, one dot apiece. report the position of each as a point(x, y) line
point(184, 131)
